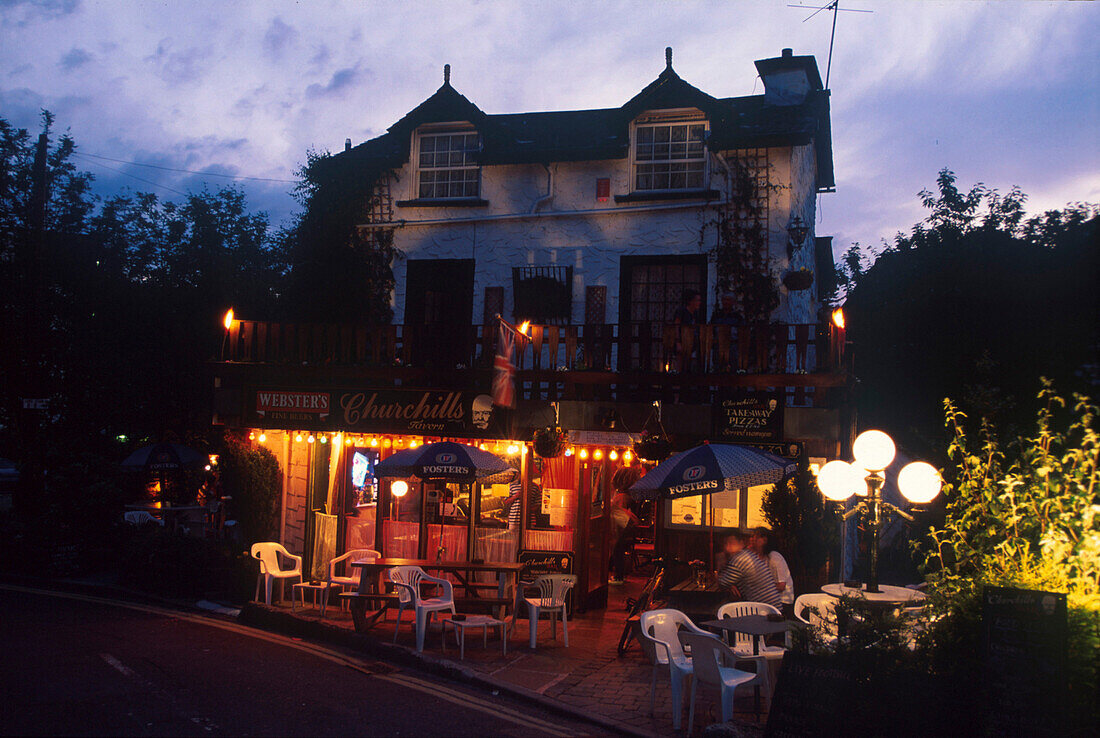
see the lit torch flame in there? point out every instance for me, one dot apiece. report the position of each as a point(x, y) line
point(524, 326)
point(228, 322)
point(838, 318)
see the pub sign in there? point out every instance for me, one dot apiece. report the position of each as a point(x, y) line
point(748, 418)
point(412, 411)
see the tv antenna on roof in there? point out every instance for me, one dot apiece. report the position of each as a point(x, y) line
point(835, 7)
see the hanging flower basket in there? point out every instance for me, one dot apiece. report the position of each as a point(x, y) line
point(549, 442)
point(799, 279)
point(652, 448)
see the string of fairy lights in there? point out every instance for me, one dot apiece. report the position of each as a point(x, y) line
point(509, 448)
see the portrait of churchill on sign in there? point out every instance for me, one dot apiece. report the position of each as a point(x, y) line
point(482, 412)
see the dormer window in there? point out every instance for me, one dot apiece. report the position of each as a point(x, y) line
point(447, 165)
point(670, 156)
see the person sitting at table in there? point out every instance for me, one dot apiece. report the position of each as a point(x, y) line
point(746, 575)
point(763, 545)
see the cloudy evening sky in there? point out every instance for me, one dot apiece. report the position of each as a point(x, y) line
point(1001, 92)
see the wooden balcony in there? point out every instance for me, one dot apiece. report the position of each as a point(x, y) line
point(607, 361)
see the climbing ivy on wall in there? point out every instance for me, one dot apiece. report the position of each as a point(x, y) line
point(740, 251)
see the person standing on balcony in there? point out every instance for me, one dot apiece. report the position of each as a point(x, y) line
point(725, 315)
point(690, 313)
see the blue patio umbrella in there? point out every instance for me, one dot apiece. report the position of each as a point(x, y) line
point(711, 468)
point(446, 461)
point(162, 457)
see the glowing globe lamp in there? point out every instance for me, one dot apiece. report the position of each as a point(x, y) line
point(919, 482)
point(399, 488)
point(874, 450)
point(835, 480)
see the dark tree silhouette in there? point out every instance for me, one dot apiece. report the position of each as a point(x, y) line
point(337, 273)
point(976, 303)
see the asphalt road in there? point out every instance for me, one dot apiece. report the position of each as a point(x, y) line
point(75, 665)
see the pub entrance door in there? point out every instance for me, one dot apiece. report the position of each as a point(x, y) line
point(594, 521)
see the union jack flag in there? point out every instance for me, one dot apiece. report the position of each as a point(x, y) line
point(504, 371)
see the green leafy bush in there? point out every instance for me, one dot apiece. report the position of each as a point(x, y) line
point(251, 477)
point(1023, 514)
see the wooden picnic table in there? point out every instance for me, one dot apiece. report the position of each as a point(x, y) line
point(699, 602)
point(372, 584)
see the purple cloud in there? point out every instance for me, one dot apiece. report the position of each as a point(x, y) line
point(76, 57)
point(340, 81)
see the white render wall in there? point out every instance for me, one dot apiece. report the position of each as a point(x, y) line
point(573, 229)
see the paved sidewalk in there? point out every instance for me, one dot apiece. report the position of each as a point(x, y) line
point(587, 679)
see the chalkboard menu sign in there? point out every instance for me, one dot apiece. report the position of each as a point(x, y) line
point(756, 417)
point(546, 562)
point(1025, 660)
point(813, 696)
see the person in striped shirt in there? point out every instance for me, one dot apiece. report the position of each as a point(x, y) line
point(746, 575)
point(512, 502)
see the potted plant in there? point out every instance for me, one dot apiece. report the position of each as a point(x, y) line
point(549, 442)
point(653, 447)
point(798, 279)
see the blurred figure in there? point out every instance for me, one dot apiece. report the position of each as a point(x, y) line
point(623, 522)
point(746, 575)
point(762, 544)
point(726, 314)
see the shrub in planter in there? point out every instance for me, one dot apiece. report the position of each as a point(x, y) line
point(549, 442)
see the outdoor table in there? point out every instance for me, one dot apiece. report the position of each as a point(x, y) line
point(757, 626)
point(697, 601)
point(323, 588)
point(169, 514)
point(475, 621)
point(890, 596)
point(371, 581)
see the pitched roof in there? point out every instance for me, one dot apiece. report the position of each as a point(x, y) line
point(593, 135)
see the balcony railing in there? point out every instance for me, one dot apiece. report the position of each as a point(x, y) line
point(632, 348)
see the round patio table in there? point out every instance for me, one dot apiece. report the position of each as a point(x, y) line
point(888, 596)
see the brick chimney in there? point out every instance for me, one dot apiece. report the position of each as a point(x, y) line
point(788, 78)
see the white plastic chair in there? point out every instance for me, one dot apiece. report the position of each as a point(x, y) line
point(270, 569)
point(712, 663)
point(659, 636)
point(552, 591)
point(352, 576)
point(407, 580)
point(742, 642)
point(141, 517)
point(818, 610)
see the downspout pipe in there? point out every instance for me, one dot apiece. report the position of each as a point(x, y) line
point(549, 190)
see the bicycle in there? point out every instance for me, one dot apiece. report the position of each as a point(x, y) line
point(654, 586)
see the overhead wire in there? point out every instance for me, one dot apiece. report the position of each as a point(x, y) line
point(205, 174)
point(134, 176)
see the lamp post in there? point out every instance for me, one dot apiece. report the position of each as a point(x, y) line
point(918, 482)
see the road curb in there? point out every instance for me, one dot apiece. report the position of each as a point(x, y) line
point(260, 616)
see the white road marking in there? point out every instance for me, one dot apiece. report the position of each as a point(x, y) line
point(464, 699)
point(126, 671)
